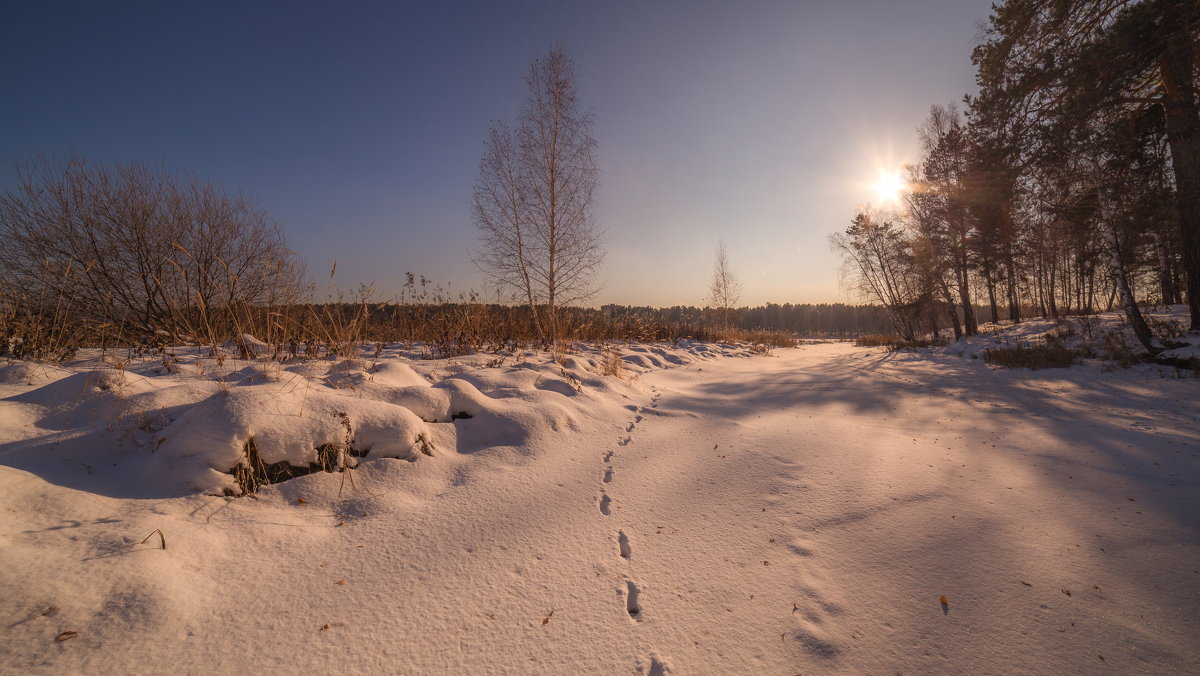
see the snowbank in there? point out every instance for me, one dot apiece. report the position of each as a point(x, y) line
point(1103, 340)
point(204, 424)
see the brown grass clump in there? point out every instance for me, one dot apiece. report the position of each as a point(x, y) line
point(611, 363)
point(876, 340)
point(916, 343)
point(1049, 355)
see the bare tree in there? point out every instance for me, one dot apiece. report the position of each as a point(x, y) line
point(725, 290)
point(534, 195)
point(879, 264)
point(502, 216)
point(135, 246)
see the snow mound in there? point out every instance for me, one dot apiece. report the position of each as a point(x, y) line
point(286, 423)
point(247, 347)
point(227, 425)
point(86, 399)
point(30, 374)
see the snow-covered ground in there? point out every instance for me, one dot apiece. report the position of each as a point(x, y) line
point(828, 508)
point(1103, 337)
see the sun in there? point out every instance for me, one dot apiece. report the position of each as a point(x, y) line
point(889, 187)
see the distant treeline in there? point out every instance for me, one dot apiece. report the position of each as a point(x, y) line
point(825, 320)
point(428, 322)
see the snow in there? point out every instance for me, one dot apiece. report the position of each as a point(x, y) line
point(1102, 336)
point(704, 510)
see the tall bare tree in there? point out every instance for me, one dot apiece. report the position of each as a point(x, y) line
point(725, 290)
point(501, 214)
point(533, 199)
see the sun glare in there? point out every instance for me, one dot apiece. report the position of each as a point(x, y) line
point(889, 187)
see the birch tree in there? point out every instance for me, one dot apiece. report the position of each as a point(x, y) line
point(533, 200)
point(725, 290)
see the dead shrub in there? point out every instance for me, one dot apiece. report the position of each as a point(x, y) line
point(916, 343)
point(1049, 355)
point(1116, 349)
point(876, 340)
point(611, 363)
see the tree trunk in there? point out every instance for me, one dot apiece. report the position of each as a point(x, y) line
point(1166, 283)
point(991, 292)
point(1052, 290)
point(1121, 284)
point(964, 295)
point(1177, 67)
point(1014, 297)
point(958, 333)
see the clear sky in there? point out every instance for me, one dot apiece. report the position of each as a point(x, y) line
point(359, 125)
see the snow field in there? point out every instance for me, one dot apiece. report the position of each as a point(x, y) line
point(803, 512)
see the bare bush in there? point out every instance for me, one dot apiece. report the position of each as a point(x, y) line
point(133, 246)
point(878, 262)
point(1049, 355)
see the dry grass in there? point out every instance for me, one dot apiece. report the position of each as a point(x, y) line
point(876, 340)
point(1049, 355)
point(440, 323)
point(611, 363)
point(917, 343)
point(893, 342)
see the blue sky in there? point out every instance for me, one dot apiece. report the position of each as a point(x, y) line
point(359, 126)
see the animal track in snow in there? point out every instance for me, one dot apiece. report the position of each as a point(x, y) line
point(623, 545)
point(631, 592)
point(657, 667)
point(632, 603)
point(808, 617)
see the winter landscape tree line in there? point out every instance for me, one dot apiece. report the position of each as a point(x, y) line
point(1069, 184)
point(134, 256)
